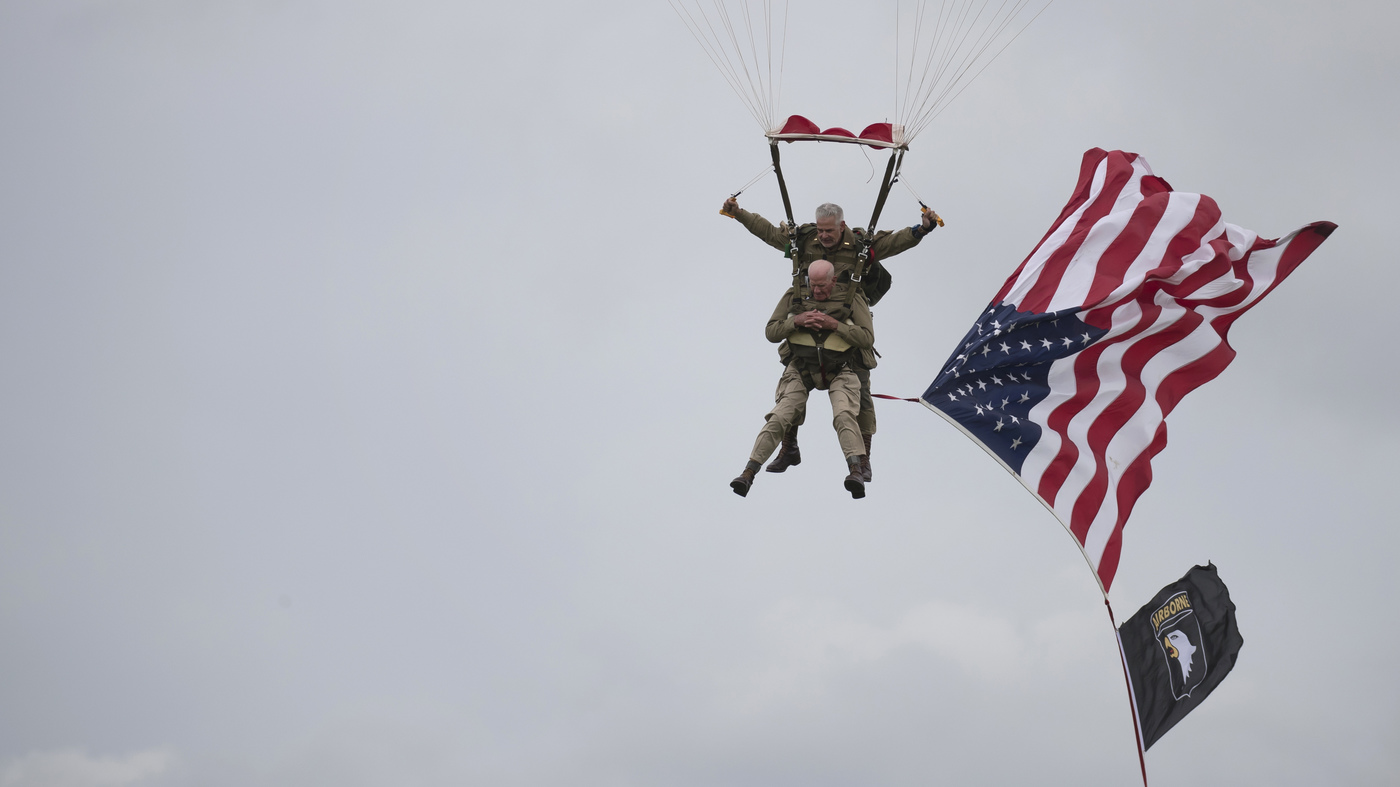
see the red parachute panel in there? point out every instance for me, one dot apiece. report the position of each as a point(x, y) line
point(877, 135)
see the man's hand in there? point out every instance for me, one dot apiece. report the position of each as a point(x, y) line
point(927, 225)
point(731, 207)
point(816, 321)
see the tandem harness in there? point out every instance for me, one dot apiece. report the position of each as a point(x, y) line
point(873, 278)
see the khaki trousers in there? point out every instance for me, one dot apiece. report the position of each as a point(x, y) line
point(791, 401)
point(866, 419)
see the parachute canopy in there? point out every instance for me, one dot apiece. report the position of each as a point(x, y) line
point(876, 135)
point(940, 47)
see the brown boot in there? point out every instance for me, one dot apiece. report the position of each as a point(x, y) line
point(865, 460)
point(855, 482)
point(788, 453)
point(741, 484)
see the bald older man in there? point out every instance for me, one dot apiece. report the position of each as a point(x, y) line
point(830, 239)
point(826, 337)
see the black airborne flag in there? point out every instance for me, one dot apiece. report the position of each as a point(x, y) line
point(1178, 648)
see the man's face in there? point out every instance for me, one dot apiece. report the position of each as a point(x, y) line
point(829, 231)
point(821, 288)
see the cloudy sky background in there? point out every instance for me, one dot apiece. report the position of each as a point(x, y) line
point(374, 374)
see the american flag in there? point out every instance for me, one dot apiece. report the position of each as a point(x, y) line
point(1121, 309)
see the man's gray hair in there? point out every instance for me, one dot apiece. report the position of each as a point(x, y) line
point(830, 210)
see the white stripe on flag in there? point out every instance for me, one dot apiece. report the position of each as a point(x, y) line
point(1030, 271)
point(1181, 208)
point(1137, 434)
point(1079, 277)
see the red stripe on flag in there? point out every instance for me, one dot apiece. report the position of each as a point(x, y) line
point(1047, 281)
point(1086, 386)
point(1135, 480)
point(1122, 179)
point(1120, 254)
point(1087, 167)
point(1086, 376)
point(1124, 406)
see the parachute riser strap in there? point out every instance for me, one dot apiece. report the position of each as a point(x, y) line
point(794, 251)
point(896, 158)
point(782, 184)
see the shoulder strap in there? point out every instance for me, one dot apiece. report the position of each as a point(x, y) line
point(868, 238)
point(799, 266)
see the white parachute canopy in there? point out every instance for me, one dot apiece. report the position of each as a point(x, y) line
point(942, 46)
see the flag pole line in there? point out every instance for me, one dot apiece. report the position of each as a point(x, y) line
point(1132, 699)
point(1122, 657)
point(977, 441)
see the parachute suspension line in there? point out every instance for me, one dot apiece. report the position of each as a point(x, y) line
point(951, 46)
point(937, 219)
point(733, 47)
point(911, 190)
point(782, 62)
point(951, 31)
point(951, 52)
point(937, 49)
point(984, 65)
point(717, 54)
point(906, 111)
point(756, 90)
point(978, 49)
point(988, 38)
point(768, 49)
point(754, 180)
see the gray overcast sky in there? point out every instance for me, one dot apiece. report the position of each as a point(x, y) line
point(374, 374)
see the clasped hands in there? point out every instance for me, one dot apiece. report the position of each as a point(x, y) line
point(815, 320)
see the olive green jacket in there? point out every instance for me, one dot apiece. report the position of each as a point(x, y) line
point(843, 256)
point(820, 355)
point(855, 331)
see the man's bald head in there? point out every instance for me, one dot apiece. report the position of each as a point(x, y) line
point(821, 274)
